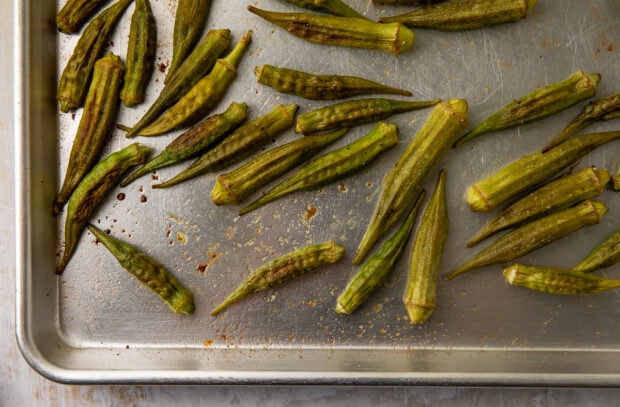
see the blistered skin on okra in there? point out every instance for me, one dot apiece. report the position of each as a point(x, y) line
point(355, 112)
point(531, 170)
point(195, 140)
point(402, 184)
point(149, 272)
point(96, 124)
point(243, 142)
point(283, 268)
point(378, 267)
point(535, 235)
point(557, 281)
point(75, 13)
point(420, 295)
point(538, 104)
point(92, 190)
point(235, 186)
point(333, 165)
point(76, 76)
point(557, 194)
point(334, 7)
point(459, 15)
point(604, 255)
point(394, 38)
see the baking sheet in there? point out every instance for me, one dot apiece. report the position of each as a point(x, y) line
point(96, 324)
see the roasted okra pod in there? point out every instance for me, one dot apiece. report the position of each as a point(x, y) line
point(75, 13)
point(604, 255)
point(334, 7)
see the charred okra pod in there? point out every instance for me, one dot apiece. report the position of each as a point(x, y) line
point(342, 31)
point(604, 255)
point(92, 190)
point(333, 165)
point(75, 13)
point(76, 77)
point(421, 292)
point(140, 54)
point(377, 269)
point(283, 268)
point(535, 235)
point(149, 272)
point(402, 184)
point(334, 7)
point(319, 87)
point(459, 15)
point(557, 281)
point(244, 141)
point(354, 112)
point(195, 140)
point(235, 186)
point(196, 103)
point(531, 170)
point(538, 104)
point(196, 65)
point(560, 193)
point(95, 126)
point(189, 23)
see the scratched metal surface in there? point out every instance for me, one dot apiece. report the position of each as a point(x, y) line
point(95, 323)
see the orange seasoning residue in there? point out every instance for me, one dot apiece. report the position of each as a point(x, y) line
point(208, 343)
point(310, 213)
point(211, 257)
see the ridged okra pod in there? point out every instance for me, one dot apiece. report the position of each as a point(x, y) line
point(76, 76)
point(196, 66)
point(148, 271)
point(378, 267)
point(407, 2)
point(190, 20)
point(333, 165)
point(195, 140)
point(535, 235)
point(531, 170)
point(96, 124)
point(402, 184)
point(459, 15)
point(235, 186)
point(140, 54)
point(204, 95)
point(604, 255)
point(320, 87)
point(394, 38)
point(283, 268)
point(420, 295)
point(243, 142)
point(92, 190)
point(354, 112)
point(557, 281)
point(538, 104)
point(557, 194)
point(75, 13)
point(334, 7)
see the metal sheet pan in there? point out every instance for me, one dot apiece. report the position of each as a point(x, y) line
point(95, 324)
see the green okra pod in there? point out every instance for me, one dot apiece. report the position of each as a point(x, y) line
point(195, 66)
point(354, 112)
point(333, 165)
point(334, 7)
point(557, 194)
point(195, 140)
point(557, 281)
point(615, 181)
point(76, 76)
point(244, 141)
point(531, 170)
point(604, 255)
point(235, 186)
point(538, 104)
point(378, 267)
point(140, 54)
point(75, 13)
point(534, 235)
point(148, 271)
point(283, 268)
point(189, 22)
point(342, 31)
point(204, 95)
point(96, 124)
point(402, 184)
point(420, 295)
point(319, 87)
point(92, 190)
point(459, 15)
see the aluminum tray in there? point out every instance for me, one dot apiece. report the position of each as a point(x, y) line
point(95, 324)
